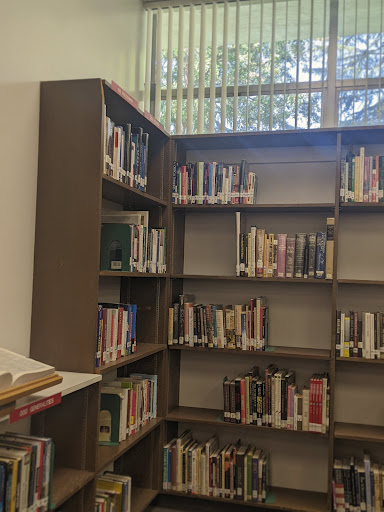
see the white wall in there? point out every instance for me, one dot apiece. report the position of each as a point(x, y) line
point(48, 40)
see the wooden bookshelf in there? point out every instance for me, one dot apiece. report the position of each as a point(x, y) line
point(67, 482)
point(251, 279)
point(359, 432)
point(141, 498)
point(254, 208)
point(283, 352)
point(288, 500)
point(113, 273)
point(215, 417)
point(108, 454)
point(68, 284)
point(359, 360)
point(143, 350)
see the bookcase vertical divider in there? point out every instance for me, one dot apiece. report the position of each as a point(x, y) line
point(333, 320)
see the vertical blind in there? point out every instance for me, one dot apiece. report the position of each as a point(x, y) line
point(245, 65)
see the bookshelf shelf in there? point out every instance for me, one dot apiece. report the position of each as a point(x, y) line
point(251, 279)
point(361, 207)
point(215, 417)
point(143, 350)
point(108, 454)
point(114, 273)
point(284, 352)
point(67, 482)
point(141, 498)
point(359, 432)
point(122, 193)
point(365, 282)
point(257, 208)
point(288, 500)
point(359, 360)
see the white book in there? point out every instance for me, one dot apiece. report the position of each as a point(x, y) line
point(16, 370)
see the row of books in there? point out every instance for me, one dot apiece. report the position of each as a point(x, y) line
point(213, 183)
point(128, 243)
point(273, 400)
point(26, 467)
point(360, 334)
point(236, 471)
point(362, 178)
point(259, 254)
point(358, 485)
point(126, 154)
point(113, 493)
point(127, 404)
point(239, 326)
point(116, 331)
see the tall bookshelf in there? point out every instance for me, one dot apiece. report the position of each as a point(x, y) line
point(298, 189)
point(72, 192)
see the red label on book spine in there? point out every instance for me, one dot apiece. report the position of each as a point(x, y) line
point(127, 97)
point(153, 120)
point(33, 408)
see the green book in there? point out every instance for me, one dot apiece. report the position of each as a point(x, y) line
point(115, 247)
point(109, 419)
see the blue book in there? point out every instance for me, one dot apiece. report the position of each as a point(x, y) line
point(321, 239)
point(133, 332)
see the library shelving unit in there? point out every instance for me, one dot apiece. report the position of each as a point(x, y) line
point(72, 192)
point(299, 174)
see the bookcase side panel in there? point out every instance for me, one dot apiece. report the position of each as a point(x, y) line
point(67, 225)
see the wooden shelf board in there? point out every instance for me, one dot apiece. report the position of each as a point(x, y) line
point(142, 350)
point(361, 207)
point(264, 208)
point(108, 454)
point(286, 352)
point(251, 279)
point(371, 282)
point(215, 417)
point(359, 432)
point(67, 482)
point(119, 192)
point(113, 273)
point(10, 395)
point(360, 360)
point(288, 500)
point(141, 498)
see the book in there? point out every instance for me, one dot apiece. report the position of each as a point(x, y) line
point(359, 334)
point(17, 370)
point(329, 249)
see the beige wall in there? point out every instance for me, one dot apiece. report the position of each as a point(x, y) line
point(48, 40)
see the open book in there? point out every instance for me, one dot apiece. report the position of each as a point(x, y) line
point(16, 370)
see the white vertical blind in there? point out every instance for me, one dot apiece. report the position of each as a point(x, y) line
point(147, 90)
point(235, 65)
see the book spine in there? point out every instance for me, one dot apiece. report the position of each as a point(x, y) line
point(281, 254)
point(320, 255)
point(290, 258)
point(329, 248)
point(299, 255)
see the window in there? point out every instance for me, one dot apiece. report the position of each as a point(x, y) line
point(247, 65)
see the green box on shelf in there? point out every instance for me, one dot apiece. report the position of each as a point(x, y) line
point(115, 247)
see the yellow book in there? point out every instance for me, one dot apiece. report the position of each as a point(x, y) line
point(115, 488)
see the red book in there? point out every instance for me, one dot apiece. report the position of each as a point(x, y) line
point(242, 401)
point(104, 338)
point(319, 403)
point(311, 404)
point(119, 332)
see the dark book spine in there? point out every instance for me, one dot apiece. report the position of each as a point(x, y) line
point(299, 254)
point(351, 315)
point(355, 335)
point(320, 255)
point(232, 401)
point(239, 495)
point(176, 309)
point(237, 401)
point(338, 333)
point(259, 403)
point(290, 261)
point(227, 412)
point(242, 254)
point(381, 180)
point(181, 320)
point(306, 259)
point(254, 401)
point(311, 254)
point(284, 402)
